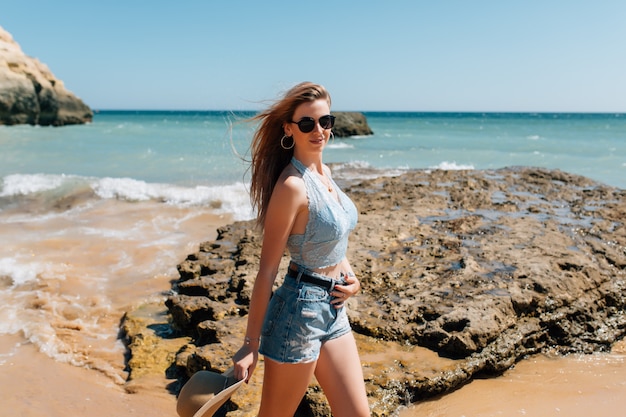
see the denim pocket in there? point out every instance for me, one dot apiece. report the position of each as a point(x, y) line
point(312, 293)
point(274, 310)
point(311, 300)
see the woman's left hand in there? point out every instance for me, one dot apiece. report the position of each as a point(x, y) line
point(342, 292)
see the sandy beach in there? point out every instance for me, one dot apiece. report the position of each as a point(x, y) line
point(541, 386)
point(34, 385)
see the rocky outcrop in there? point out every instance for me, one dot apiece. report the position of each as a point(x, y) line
point(351, 124)
point(463, 273)
point(31, 94)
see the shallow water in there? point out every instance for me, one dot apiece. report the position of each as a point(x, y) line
point(68, 276)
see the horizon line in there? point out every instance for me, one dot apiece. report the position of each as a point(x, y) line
point(377, 111)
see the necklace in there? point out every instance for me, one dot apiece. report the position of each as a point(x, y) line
point(326, 183)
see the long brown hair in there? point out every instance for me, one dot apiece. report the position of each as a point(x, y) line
point(269, 158)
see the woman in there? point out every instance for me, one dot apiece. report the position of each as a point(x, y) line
point(303, 330)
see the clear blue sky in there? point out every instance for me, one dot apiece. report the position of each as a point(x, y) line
point(413, 55)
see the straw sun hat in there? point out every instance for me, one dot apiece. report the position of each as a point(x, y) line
point(206, 392)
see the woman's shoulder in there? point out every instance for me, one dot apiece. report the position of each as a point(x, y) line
point(290, 180)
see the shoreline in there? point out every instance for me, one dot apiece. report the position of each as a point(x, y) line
point(84, 270)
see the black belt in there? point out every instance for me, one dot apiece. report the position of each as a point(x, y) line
point(327, 284)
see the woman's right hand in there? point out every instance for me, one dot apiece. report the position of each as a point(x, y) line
point(245, 361)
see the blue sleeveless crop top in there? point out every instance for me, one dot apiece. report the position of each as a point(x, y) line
point(325, 239)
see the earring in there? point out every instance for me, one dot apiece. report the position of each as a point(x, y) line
point(332, 136)
point(282, 142)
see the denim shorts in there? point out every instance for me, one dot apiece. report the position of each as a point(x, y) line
point(299, 319)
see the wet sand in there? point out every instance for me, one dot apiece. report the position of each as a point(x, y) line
point(34, 385)
point(573, 386)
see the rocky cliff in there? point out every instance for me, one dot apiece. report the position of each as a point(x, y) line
point(31, 94)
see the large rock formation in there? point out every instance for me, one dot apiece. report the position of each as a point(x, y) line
point(349, 123)
point(31, 94)
point(463, 272)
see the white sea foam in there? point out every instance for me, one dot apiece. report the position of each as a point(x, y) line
point(19, 273)
point(124, 189)
point(231, 198)
point(360, 137)
point(24, 184)
point(14, 317)
point(340, 145)
point(451, 166)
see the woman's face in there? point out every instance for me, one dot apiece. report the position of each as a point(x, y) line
point(316, 139)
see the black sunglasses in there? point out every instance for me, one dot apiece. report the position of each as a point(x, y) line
point(307, 124)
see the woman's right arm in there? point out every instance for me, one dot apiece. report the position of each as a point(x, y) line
point(287, 202)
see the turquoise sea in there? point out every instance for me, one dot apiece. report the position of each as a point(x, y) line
point(184, 157)
point(94, 218)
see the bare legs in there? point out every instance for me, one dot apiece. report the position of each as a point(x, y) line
point(340, 374)
point(338, 370)
point(284, 386)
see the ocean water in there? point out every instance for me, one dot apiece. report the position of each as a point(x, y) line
point(94, 218)
point(206, 149)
